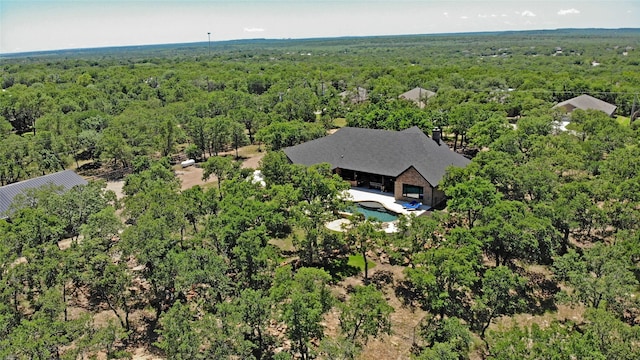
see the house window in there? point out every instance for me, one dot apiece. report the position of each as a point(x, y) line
point(412, 191)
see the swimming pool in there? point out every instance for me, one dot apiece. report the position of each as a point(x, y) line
point(375, 210)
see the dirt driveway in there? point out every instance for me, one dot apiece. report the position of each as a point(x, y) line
point(192, 175)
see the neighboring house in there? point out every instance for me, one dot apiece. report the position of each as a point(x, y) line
point(407, 164)
point(356, 95)
point(586, 102)
point(418, 96)
point(67, 179)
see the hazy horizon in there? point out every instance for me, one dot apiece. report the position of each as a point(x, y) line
point(42, 25)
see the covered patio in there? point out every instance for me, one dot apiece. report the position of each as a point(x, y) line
point(367, 180)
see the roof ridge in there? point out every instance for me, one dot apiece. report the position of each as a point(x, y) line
point(38, 177)
point(65, 179)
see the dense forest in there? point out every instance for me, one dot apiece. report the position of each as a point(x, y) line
point(535, 255)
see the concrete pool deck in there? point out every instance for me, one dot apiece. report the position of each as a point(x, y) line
point(341, 225)
point(388, 201)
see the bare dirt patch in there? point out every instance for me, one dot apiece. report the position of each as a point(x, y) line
point(250, 156)
point(564, 312)
point(192, 176)
point(116, 187)
point(404, 319)
point(404, 322)
point(253, 162)
point(64, 244)
point(143, 354)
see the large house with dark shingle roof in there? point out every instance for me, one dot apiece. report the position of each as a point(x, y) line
point(407, 164)
point(66, 179)
point(586, 102)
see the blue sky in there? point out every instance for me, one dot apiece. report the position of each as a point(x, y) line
point(29, 25)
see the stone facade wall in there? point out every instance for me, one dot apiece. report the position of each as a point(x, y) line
point(438, 197)
point(412, 177)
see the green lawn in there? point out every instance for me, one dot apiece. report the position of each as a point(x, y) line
point(248, 150)
point(340, 122)
point(358, 261)
point(623, 120)
point(286, 244)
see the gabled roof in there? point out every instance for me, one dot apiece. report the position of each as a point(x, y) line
point(382, 152)
point(356, 95)
point(586, 102)
point(417, 95)
point(67, 179)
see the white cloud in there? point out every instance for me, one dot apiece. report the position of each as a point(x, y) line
point(445, 14)
point(464, 17)
point(568, 11)
point(528, 13)
point(253, 30)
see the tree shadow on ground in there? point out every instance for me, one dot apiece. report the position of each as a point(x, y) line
point(381, 279)
point(340, 269)
point(150, 336)
point(405, 292)
point(541, 292)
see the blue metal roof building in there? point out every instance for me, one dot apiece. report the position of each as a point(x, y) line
point(67, 179)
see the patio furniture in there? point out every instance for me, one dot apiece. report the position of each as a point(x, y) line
point(412, 205)
point(375, 185)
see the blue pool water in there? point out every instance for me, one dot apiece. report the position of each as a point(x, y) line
point(376, 211)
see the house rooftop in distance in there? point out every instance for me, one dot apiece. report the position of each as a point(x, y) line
point(586, 102)
point(67, 179)
point(356, 95)
point(417, 95)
